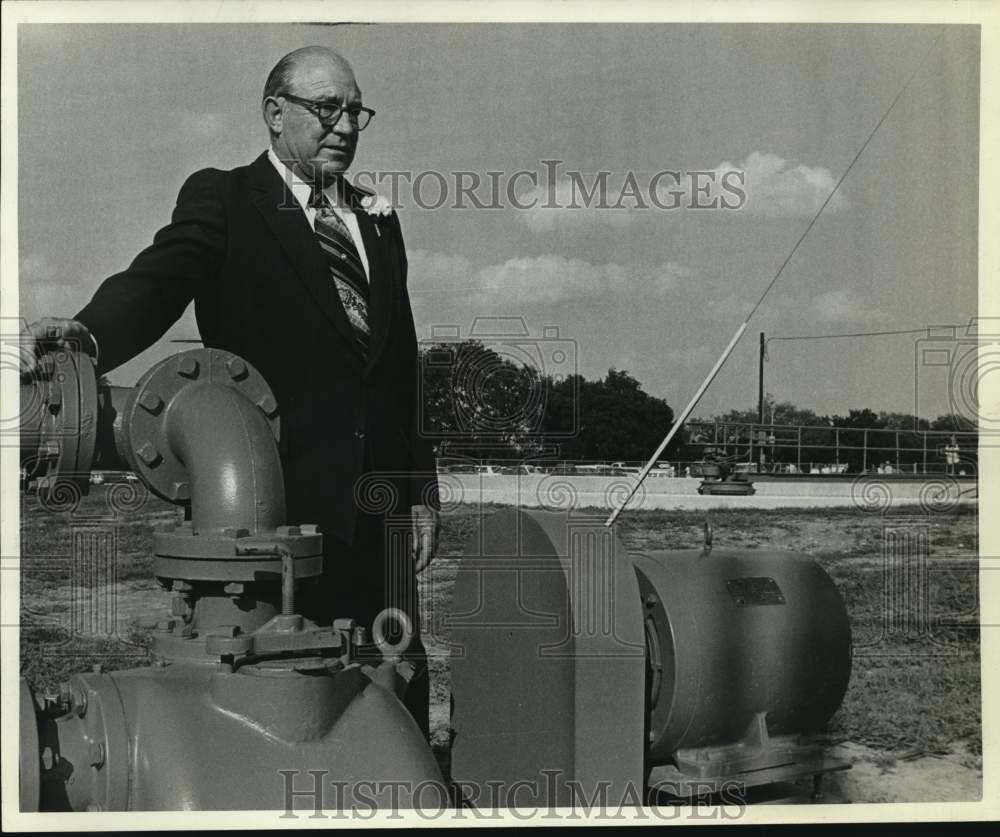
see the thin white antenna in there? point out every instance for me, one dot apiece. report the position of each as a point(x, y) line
point(679, 422)
point(743, 327)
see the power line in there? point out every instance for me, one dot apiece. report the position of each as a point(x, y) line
point(853, 334)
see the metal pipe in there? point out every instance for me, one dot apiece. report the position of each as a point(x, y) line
point(228, 450)
point(111, 452)
point(760, 380)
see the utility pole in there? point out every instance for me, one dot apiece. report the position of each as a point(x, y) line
point(760, 381)
point(760, 402)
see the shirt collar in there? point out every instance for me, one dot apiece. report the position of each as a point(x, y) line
point(301, 190)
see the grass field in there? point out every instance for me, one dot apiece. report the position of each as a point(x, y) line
point(915, 685)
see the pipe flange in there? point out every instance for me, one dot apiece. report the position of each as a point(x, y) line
point(233, 569)
point(64, 407)
point(180, 541)
point(143, 424)
point(230, 555)
point(85, 759)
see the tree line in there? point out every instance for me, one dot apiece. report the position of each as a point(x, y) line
point(478, 402)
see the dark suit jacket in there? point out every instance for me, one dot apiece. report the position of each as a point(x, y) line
point(239, 245)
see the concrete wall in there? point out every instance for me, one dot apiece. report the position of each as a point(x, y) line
point(870, 493)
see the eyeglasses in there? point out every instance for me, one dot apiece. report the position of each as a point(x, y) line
point(328, 112)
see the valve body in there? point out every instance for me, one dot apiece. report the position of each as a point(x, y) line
point(247, 705)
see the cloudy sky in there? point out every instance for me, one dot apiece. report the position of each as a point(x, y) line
point(112, 119)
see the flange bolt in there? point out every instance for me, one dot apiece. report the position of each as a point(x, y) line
point(150, 402)
point(150, 455)
point(237, 368)
point(188, 367)
point(232, 532)
point(267, 405)
point(95, 754)
point(80, 702)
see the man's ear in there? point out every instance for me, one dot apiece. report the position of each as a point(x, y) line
point(273, 114)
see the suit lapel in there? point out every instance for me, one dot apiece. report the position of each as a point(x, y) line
point(289, 224)
point(382, 277)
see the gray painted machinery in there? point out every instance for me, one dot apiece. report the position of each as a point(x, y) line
point(243, 691)
point(583, 672)
point(577, 668)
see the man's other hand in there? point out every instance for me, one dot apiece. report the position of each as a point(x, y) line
point(426, 528)
point(48, 334)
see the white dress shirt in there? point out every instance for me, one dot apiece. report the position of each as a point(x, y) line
point(301, 192)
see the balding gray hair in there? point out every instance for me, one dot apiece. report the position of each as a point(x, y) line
point(280, 77)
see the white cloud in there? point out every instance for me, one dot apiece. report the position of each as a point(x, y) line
point(772, 186)
point(548, 278)
point(34, 267)
point(842, 305)
point(438, 271)
point(567, 205)
point(44, 292)
point(49, 299)
point(777, 187)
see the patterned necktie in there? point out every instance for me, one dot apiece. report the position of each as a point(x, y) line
point(345, 265)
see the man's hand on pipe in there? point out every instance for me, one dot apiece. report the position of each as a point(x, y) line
point(49, 334)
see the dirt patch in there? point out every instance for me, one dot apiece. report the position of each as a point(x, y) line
point(953, 775)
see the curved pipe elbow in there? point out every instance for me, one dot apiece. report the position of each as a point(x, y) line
point(231, 457)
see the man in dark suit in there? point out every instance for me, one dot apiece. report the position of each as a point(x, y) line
point(289, 267)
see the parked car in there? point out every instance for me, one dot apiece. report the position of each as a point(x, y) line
point(457, 468)
point(593, 470)
point(518, 469)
